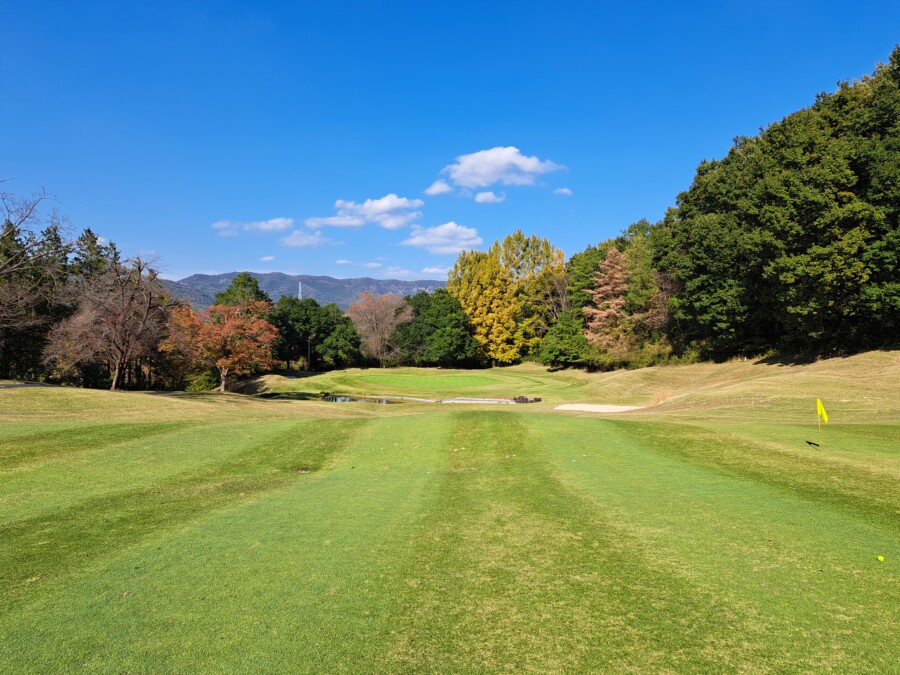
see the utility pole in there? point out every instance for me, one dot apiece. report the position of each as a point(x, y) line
point(299, 290)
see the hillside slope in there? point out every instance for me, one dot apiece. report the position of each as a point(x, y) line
point(200, 289)
point(859, 388)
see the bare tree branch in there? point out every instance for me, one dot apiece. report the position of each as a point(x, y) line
point(121, 317)
point(31, 262)
point(376, 317)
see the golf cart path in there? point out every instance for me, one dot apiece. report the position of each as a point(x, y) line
point(573, 407)
point(598, 407)
point(466, 399)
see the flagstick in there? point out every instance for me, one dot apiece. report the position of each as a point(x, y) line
point(819, 418)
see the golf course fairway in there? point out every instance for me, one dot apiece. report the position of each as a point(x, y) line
point(717, 529)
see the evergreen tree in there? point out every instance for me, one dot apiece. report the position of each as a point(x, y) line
point(439, 333)
point(242, 289)
point(791, 239)
point(318, 335)
point(341, 346)
point(565, 343)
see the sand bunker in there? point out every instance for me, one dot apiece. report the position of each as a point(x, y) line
point(596, 407)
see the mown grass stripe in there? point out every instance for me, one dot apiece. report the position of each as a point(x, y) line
point(48, 548)
point(299, 579)
point(30, 449)
point(801, 571)
point(871, 489)
point(42, 489)
point(516, 572)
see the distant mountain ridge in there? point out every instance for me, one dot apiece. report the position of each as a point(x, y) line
point(200, 289)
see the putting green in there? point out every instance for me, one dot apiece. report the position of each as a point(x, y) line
point(419, 382)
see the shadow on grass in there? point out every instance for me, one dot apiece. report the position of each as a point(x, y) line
point(216, 397)
point(788, 359)
point(257, 386)
point(290, 396)
point(807, 358)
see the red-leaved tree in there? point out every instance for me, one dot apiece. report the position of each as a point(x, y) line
point(230, 338)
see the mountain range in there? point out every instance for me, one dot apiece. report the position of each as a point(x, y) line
point(200, 289)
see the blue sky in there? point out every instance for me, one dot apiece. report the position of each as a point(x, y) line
point(309, 137)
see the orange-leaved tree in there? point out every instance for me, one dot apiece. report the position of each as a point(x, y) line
point(607, 322)
point(230, 338)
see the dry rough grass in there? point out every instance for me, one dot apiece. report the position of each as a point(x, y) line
point(858, 388)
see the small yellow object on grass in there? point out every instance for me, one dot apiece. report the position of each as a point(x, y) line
point(820, 410)
point(822, 417)
point(881, 558)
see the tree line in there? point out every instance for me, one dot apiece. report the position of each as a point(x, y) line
point(790, 243)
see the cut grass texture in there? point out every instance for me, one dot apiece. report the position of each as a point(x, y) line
point(158, 533)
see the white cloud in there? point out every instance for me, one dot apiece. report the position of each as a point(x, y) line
point(299, 238)
point(230, 228)
point(267, 258)
point(444, 239)
point(498, 165)
point(390, 212)
point(342, 262)
point(272, 225)
point(440, 271)
point(438, 187)
point(393, 272)
point(335, 221)
point(372, 265)
point(225, 228)
point(489, 198)
point(563, 191)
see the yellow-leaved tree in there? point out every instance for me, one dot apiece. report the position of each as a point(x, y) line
point(537, 270)
point(487, 294)
point(512, 294)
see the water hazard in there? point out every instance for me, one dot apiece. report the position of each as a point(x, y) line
point(356, 399)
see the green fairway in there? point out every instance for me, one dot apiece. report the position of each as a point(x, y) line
point(197, 533)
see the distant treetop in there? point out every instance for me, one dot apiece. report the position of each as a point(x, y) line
point(243, 289)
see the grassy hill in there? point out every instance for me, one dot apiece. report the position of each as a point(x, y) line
point(858, 388)
point(203, 532)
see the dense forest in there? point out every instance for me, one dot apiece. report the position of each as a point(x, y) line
point(789, 244)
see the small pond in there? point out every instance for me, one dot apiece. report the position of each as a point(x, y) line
point(355, 399)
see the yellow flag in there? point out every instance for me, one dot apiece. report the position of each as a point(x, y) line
point(820, 410)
